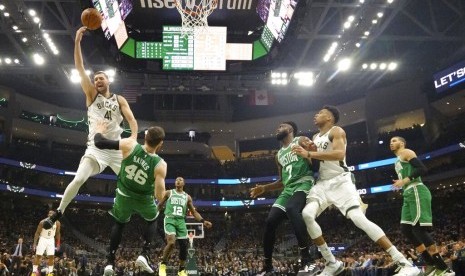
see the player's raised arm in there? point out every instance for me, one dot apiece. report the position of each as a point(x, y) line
point(160, 175)
point(86, 83)
point(127, 113)
point(196, 214)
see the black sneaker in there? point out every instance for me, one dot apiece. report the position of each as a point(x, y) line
point(266, 271)
point(48, 222)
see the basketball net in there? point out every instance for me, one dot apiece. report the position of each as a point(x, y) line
point(191, 239)
point(194, 15)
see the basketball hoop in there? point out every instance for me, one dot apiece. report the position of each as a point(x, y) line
point(191, 239)
point(194, 14)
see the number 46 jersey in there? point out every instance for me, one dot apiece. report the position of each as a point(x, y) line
point(136, 178)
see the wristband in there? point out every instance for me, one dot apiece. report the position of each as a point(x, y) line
point(202, 220)
point(58, 243)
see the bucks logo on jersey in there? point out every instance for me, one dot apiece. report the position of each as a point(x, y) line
point(176, 205)
point(294, 167)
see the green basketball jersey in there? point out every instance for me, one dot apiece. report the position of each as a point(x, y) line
point(403, 170)
point(176, 205)
point(136, 177)
point(295, 169)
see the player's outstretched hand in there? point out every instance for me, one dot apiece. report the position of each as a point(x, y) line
point(257, 190)
point(207, 224)
point(80, 33)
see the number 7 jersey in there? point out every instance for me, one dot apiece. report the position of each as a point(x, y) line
point(136, 178)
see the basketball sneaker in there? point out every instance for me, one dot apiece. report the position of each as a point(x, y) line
point(182, 272)
point(407, 270)
point(143, 264)
point(162, 270)
point(266, 271)
point(429, 270)
point(49, 274)
point(333, 268)
point(108, 271)
point(446, 272)
point(48, 222)
point(308, 269)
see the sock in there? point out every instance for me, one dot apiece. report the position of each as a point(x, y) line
point(439, 262)
point(397, 256)
point(427, 258)
point(326, 253)
point(268, 263)
point(163, 262)
point(35, 268)
point(305, 254)
point(50, 269)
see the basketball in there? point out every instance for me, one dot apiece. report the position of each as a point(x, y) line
point(307, 143)
point(91, 18)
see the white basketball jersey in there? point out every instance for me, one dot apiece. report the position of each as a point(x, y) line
point(105, 109)
point(329, 169)
point(49, 233)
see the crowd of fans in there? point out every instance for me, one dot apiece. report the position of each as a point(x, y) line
point(233, 245)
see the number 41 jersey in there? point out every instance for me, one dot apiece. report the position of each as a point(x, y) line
point(136, 178)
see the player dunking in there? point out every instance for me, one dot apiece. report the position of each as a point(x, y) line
point(177, 202)
point(101, 105)
point(44, 244)
point(416, 218)
point(335, 187)
point(296, 179)
point(141, 179)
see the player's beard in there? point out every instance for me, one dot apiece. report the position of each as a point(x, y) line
point(281, 135)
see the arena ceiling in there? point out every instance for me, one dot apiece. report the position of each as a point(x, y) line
point(421, 36)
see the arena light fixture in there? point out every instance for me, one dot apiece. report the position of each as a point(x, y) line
point(279, 78)
point(6, 14)
point(2, 7)
point(392, 66)
point(373, 66)
point(364, 66)
point(38, 59)
point(8, 60)
point(36, 20)
point(305, 78)
point(344, 64)
point(380, 14)
point(32, 12)
point(382, 66)
point(16, 61)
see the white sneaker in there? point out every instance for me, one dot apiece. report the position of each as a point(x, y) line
point(108, 271)
point(332, 269)
point(406, 270)
point(142, 263)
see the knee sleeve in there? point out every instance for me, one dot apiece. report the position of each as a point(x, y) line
point(360, 220)
point(422, 235)
point(309, 214)
point(182, 249)
point(407, 231)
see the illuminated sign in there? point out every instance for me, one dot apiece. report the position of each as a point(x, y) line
point(449, 77)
